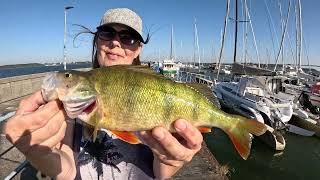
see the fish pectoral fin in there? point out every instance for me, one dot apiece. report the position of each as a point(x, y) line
point(204, 129)
point(128, 137)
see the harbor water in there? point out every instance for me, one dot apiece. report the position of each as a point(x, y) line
point(299, 160)
point(18, 71)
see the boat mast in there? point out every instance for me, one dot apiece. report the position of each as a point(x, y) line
point(282, 29)
point(283, 36)
point(197, 42)
point(245, 30)
point(253, 35)
point(223, 36)
point(235, 33)
point(194, 44)
point(299, 34)
point(196, 39)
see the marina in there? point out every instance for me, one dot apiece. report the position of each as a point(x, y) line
point(265, 152)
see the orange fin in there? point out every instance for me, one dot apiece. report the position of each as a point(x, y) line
point(255, 127)
point(241, 135)
point(128, 137)
point(204, 129)
point(242, 143)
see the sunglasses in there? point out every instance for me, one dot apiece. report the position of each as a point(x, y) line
point(127, 37)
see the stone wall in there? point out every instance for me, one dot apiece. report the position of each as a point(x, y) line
point(19, 86)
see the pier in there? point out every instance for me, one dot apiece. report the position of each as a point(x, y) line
point(14, 165)
point(193, 77)
point(12, 89)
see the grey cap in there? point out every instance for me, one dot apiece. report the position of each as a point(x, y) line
point(123, 16)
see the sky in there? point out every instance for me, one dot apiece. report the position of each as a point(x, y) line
point(33, 30)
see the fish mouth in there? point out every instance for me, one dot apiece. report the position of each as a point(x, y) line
point(76, 109)
point(88, 112)
point(48, 87)
point(75, 106)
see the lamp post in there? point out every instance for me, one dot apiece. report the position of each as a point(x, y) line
point(65, 37)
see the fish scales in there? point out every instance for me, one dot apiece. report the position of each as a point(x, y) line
point(145, 101)
point(133, 98)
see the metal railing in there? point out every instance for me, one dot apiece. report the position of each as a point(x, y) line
point(195, 78)
point(22, 165)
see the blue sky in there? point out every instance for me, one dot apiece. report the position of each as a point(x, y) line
point(32, 31)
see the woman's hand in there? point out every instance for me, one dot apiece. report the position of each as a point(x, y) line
point(172, 151)
point(38, 130)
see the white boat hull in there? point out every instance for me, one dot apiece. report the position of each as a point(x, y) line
point(283, 111)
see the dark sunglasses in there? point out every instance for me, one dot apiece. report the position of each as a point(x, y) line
point(127, 37)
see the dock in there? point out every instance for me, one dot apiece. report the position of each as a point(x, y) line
point(192, 77)
point(13, 89)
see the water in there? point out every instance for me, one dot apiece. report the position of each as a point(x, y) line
point(299, 160)
point(8, 72)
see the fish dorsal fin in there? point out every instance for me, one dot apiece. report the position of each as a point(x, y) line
point(205, 91)
point(136, 68)
point(140, 69)
point(128, 137)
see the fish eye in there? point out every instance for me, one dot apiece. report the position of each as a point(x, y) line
point(67, 75)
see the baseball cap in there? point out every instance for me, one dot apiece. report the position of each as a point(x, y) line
point(123, 16)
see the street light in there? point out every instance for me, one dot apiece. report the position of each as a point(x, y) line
point(65, 36)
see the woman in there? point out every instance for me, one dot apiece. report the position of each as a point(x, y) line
point(57, 147)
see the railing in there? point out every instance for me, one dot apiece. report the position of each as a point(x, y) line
point(195, 78)
point(22, 165)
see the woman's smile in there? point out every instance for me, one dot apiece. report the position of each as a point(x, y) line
point(113, 56)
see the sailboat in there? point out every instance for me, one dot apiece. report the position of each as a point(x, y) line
point(168, 67)
point(246, 68)
point(294, 85)
point(249, 97)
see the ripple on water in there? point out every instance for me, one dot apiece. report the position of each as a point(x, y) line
point(299, 160)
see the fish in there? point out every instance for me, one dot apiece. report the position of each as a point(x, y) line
point(125, 99)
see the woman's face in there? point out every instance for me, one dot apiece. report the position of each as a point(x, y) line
point(113, 51)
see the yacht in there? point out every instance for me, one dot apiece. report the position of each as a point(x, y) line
point(249, 96)
point(169, 68)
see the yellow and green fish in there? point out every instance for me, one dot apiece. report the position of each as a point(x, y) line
point(125, 99)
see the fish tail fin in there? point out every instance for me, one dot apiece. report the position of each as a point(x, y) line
point(241, 134)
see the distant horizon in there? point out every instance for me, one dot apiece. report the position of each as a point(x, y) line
point(146, 61)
